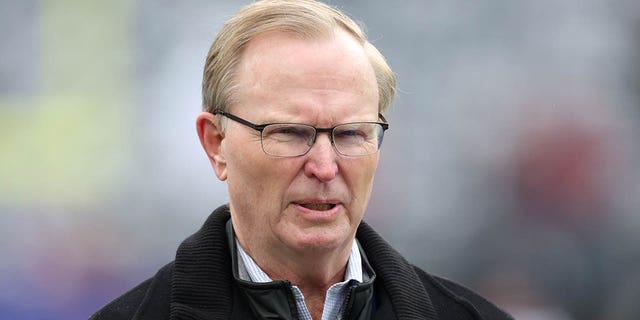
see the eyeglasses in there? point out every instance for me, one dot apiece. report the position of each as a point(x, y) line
point(352, 139)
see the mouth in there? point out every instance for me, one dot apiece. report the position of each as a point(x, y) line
point(318, 206)
point(318, 210)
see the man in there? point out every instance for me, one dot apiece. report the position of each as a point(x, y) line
point(293, 97)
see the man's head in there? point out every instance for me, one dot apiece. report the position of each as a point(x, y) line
point(296, 62)
point(300, 18)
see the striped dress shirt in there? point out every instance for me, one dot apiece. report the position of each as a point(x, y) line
point(250, 271)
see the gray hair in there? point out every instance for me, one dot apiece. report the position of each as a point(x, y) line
point(307, 19)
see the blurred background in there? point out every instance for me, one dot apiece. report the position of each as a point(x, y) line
point(511, 165)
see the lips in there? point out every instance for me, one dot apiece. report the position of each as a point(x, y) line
point(318, 206)
point(318, 210)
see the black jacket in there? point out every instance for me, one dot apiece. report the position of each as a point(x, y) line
point(200, 284)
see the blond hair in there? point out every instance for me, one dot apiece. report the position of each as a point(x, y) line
point(303, 18)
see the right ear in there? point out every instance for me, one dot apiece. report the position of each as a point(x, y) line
point(211, 137)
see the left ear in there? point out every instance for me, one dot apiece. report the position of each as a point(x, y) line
point(211, 137)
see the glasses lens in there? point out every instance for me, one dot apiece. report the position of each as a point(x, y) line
point(287, 139)
point(358, 139)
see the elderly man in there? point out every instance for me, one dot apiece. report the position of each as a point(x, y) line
point(293, 96)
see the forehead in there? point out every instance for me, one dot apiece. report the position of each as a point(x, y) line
point(280, 53)
point(278, 66)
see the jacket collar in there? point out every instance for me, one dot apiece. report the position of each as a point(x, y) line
point(202, 284)
point(408, 296)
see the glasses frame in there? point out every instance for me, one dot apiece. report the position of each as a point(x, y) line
point(261, 127)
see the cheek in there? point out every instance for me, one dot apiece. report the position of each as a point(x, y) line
point(256, 178)
point(359, 175)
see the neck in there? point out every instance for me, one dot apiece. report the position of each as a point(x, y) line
point(313, 279)
point(312, 272)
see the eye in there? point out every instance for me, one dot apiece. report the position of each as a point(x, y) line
point(286, 130)
point(351, 133)
point(355, 130)
point(287, 133)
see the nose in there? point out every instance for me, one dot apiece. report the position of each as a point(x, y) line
point(321, 161)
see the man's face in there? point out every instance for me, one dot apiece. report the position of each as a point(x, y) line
point(312, 203)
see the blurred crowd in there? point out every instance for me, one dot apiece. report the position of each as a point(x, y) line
point(511, 164)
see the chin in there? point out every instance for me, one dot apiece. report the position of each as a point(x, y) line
point(321, 241)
